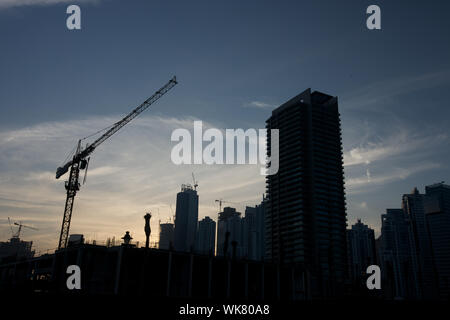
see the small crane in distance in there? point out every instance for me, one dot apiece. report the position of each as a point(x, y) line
point(195, 182)
point(220, 201)
point(20, 225)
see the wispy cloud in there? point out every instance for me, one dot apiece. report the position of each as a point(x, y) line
point(259, 104)
point(128, 175)
point(132, 173)
point(375, 94)
point(401, 142)
point(384, 164)
point(354, 184)
point(398, 154)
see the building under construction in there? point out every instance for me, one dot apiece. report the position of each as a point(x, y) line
point(126, 270)
point(15, 249)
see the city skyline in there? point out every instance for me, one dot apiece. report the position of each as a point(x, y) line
point(392, 143)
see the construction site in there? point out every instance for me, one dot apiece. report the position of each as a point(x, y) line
point(126, 268)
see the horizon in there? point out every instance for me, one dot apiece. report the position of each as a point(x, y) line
point(235, 65)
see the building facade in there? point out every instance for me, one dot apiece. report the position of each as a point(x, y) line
point(306, 210)
point(230, 234)
point(413, 205)
point(166, 233)
point(254, 230)
point(437, 210)
point(206, 236)
point(361, 250)
point(398, 260)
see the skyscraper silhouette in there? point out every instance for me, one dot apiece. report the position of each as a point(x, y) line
point(413, 206)
point(398, 260)
point(361, 249)
point(229, 230)
point(206, 236)
point(186, 217)
point(306, 214)
point(166, 235)
point(437, 209)
point(253, 233)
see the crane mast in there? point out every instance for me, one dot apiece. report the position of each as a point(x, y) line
point(79, 161)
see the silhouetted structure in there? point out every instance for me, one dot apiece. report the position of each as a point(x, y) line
point(413, 206)
point(147, 229)
point(398, 261)
point(306, 214)
point(75, 240)
point(254, 230)
point(361, 250)
point(415, 245)
point(122, 270)
point(437, 209)
point(15, 249)
point(230, 221)
point(186, 217)
point(206, 236)
point(127, 239)
point(166, 235)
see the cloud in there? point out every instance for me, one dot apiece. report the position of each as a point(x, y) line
point(377, 93)
point(128, 175)
point(354, 184)
point(132, 173)
point(400, 142)
point(400, 153)
point(19, 3)
point(259, 104)
point(368, 175)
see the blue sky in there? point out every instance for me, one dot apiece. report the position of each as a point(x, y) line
point(235, 61)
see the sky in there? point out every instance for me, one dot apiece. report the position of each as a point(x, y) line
point(236, 61)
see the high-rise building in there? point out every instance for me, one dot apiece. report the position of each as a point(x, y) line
point(413, 206)
point(254, 231)
point(415, 250)
point(398, 260)
point(361, 249)
point(306, 210)
point(186, 217)
point(230, 234)
point(437, 209)
point(206, 236)
point(165, 236)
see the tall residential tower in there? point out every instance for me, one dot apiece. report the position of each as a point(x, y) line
point(306, 214)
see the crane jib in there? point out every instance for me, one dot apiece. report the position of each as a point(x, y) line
point(78, 161)
point(116, 127)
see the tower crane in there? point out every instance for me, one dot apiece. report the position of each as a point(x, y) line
point(17, 234)
point(80, 159)
point(220, 201)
